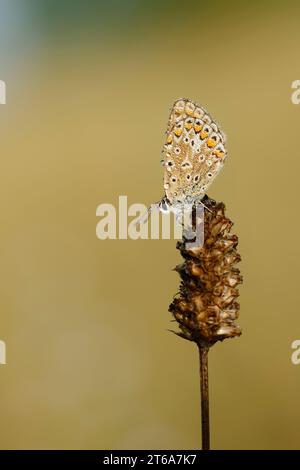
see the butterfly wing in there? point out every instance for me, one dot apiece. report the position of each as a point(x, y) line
point(194, 152)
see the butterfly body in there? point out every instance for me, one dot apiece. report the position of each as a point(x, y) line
point(194, 154)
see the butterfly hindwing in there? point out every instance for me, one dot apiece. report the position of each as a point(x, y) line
point(194, 152)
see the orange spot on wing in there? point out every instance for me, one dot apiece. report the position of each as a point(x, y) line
point(219, 153)
point(189, 111)
point(211, 143)
point(203, 134)
point(198, 127)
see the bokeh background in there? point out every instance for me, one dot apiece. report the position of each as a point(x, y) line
point(90, 363)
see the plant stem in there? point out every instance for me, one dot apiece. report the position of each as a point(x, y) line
point(203, 357)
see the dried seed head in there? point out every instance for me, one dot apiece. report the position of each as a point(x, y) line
point(206, 308)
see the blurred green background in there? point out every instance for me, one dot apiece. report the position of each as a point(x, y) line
point(89, 87)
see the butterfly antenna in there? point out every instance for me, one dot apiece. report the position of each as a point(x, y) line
point(207, 208)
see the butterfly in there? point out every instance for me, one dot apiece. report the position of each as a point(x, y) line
point(194, 154)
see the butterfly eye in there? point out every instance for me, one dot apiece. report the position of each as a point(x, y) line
point(174, 179)
point(186, 140)
point(209, 175)
point(196, 178)
point(177, 150)
point(201, 158)
point(170, 163)
point(188, 177)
